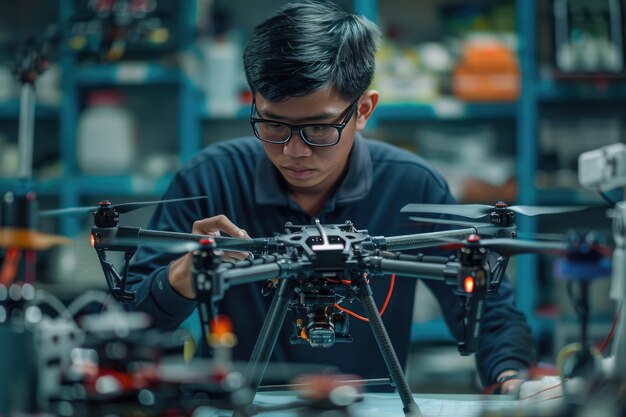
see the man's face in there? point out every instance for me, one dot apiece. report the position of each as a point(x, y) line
point(309, 169)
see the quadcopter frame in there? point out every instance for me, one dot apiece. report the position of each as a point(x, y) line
point(309, 258)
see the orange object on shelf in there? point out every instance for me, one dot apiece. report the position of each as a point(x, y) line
point(488, 71)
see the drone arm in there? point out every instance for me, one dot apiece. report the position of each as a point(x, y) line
point(256, 246)
point(158, 235)
point(418, 240)
point(245, 272)
point(497, 275)
point(412, 268)
point(115, 281)
point(453, 273)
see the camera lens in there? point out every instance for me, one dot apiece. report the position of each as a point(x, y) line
point(321, 335)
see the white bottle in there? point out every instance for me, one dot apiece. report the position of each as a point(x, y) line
point(106, 135)
point(223, 68)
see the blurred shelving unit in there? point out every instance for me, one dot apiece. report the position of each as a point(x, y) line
point(448, 109)
point(68, 185)
point(79, 77)
point(192, 119)
point(10, 109)
point(542, 93)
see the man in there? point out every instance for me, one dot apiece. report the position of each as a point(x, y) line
point(309, 67)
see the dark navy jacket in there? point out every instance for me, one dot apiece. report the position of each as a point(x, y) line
point(242, 184)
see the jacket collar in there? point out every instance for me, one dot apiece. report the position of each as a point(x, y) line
point(355, 185)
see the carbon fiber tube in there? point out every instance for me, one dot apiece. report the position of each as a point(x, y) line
point(223, 243)
point(269, 333)
point(424, 240)
point(416, 258)
point(255, 273)
point(411, 269)
point(386, 349)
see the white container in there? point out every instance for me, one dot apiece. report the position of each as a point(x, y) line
point(8, 84)
point(106, 136)
point(222, 60)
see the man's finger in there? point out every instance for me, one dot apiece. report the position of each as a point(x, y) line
point(218, 223)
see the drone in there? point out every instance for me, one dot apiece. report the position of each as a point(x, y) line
point(313, 268)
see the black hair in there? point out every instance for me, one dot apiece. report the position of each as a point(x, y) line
point(310, 45)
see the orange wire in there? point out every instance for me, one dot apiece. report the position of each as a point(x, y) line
point(10, 265)
point(382, 310)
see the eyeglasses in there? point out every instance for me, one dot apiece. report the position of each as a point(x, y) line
point(314, 134)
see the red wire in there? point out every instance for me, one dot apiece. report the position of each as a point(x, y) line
point(31, 264)
point(607, 340)
point(552, 398)
point(382, 310)
point(539, 392)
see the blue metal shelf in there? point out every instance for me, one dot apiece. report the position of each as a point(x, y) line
point(573, 196)
point(551, 91)
point(243, 113)
point(122, 185)
point(50, 187)
point(11, 110)
point(127, 74)
point(446, 109)
point(442, 110)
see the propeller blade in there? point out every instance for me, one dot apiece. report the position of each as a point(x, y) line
point(433, 220)
point(555, 237)
point(71, 211)
point(167, 246)
point(476, 211)
point(188, 242)
point(509, 247)
point(473, 211)
point(538, 210)
point(128, 207)
point(120, 208)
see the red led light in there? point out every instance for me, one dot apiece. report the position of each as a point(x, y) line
point(469, 284)
point(92, 240)
point(473, 238)
point(221, 325)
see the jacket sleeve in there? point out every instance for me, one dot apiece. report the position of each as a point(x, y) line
point(148, 273)
point(505, 339)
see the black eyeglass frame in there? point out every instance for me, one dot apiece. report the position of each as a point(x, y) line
point(300, 128)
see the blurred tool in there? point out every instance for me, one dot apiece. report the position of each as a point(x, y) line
point(488, 71)
point(107, 28)
point(588, 37)
point(29, 239)
point(587, 260)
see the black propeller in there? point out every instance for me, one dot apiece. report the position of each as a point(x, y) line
point(120, 208)
point(476, 211)
point(193, 242)
point(510, 247)
point(434, 220)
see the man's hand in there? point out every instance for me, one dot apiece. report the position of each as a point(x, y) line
point(510, 381)
point(180, 270)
